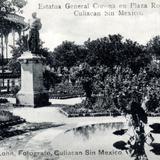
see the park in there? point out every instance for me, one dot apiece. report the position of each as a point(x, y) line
point(98, 100)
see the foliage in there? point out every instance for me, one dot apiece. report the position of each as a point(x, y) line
point(122, 85)
point(19, 3)
point(68, 54)
point(153, 46)
point(66, 90)
point(16, 51)
point(86, 77)
point(108, 51)
point(135, 56)
point(11, 6)
point(104, 51)
point(50, 79)
point(65, 54)
point(111, 51)
point(111, 67)
point(47, 55)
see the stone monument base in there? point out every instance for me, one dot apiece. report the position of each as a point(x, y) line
point(32, 92)
point(32, 99)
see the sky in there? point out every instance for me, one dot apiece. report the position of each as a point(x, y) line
point(61, 24)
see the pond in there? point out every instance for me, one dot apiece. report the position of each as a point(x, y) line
point(97, 142)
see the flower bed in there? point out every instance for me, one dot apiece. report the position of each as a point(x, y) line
point(8, 119)
point(79, 111)
point(74, 111)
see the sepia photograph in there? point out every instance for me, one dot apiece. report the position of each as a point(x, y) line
point(79, 79)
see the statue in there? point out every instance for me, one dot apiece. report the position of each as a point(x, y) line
point(34, 26)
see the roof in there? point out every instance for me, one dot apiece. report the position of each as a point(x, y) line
point(15, 18)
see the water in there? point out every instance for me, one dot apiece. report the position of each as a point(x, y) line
point(95, 142)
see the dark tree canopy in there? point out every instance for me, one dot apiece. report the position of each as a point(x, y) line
point(109, 51)
point(153, 46)
point(68, 54)
point(135, 56)
point(112, 51)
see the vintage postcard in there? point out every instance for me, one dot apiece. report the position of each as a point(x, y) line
point(79, 79)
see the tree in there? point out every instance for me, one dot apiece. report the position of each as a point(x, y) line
point(68, 54)
point(50, 79)
point(135, 56)
point(112, 51)
point(86, 77)
point(104, 51)
point(47, 55)
point(17, 51)
point(153, 46)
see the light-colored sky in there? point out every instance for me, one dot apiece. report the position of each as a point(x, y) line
point(60, 25)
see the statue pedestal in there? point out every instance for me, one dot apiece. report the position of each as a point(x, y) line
point(33, 92)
